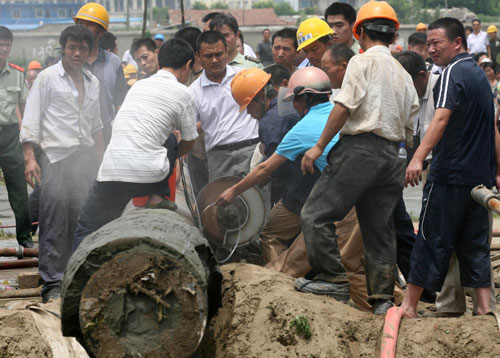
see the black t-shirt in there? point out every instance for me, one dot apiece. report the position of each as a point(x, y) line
point(465, 155)
point(495, 50)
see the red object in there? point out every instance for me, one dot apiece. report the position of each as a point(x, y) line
point(19, 252)
point(142, 200)
point(12, 264)
point(390, 333)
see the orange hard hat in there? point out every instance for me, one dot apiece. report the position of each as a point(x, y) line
point(246, 84)
point(93, 12)
point(34, 65)
point(374, 10)
point(307, 80)
point(421, 26)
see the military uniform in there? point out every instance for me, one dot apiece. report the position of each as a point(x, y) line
point(13, 91)
point(241, 61)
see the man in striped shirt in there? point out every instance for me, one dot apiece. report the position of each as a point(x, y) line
point(462, 136)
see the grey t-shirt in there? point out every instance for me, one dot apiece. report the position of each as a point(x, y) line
point(265, 51)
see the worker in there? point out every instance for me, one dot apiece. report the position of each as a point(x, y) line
point(130, 73)
point(140, 157)
point(34, 68)
point(62, 117)
point(14, 92)
point(421, 27)
point(227, 25)
point(462, 135)
point(494, 43)
point(159, 39)
point(314, 36)
point(309, 89)
point(341, 17)
point(105, 65)
point(230, 135)
point(284, 48)
point(145, 53)
point(374, 110)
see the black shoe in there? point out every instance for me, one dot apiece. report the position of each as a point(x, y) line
point(51, 294)
point(339, 291)
point(380, 307)
point(28, 245)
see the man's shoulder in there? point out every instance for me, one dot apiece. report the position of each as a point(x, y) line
point(112, 60)
point(16, 67)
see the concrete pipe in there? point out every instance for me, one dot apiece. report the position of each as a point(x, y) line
point(141, 286)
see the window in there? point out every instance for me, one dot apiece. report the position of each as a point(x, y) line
point(47, 13)
point(61, 13)
point(16, 14)
point(39, 13)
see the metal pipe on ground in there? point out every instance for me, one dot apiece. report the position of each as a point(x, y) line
point(26, 292)
point(486, 198)
point(19, 252)
point(23, 263)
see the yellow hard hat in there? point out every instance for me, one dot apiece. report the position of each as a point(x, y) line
point(421, 26)
point(491, 29)
point(374, 10)
point(95, 13)
point(311, 30)
point(128, 70)
point(246, 84)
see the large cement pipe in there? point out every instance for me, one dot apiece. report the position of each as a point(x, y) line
point(141, 286)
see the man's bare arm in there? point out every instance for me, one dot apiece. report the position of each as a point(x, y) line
point(184, 147)
point(32, 171)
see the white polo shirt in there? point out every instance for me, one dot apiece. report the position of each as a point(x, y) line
point(152, 109)
point(478, 43)
point(219, 113)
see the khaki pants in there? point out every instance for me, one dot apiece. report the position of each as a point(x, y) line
point(294, 262)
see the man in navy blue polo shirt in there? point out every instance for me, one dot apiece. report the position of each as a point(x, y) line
point(462, 135)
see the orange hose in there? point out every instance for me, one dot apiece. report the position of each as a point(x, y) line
point(390, 333)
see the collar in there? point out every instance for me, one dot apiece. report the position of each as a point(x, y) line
point(5, 68)
point(239, 58)
point(380, 48)
point(166, 74)
point(460, 56)
point(87, 75)
point(320, 107)
point(204, 81)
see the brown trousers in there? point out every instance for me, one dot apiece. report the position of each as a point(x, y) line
point(276, 236)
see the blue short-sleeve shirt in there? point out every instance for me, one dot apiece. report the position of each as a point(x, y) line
point(465, 155)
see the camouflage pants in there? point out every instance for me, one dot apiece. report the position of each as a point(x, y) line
point(364, 171)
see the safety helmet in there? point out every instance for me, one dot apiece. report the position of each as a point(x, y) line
point(307, 80)
point(311, 30)
point(246, 84)
point(128, 70)
point(421, 26)
point(491, 29)
point(34, 65)
point(375, 10)
point(95, 13)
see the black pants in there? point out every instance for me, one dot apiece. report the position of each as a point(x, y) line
point(107, 199)
point(364, 171)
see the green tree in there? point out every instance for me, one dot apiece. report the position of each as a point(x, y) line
point(198, 5)
point(160, 14)
point(263, 5)
point(219, 5)
point(284, 9)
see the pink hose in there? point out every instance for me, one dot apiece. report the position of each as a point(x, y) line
point(390, 333)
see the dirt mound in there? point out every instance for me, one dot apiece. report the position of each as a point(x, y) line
point(259, 306)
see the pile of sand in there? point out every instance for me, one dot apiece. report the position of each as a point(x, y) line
point(259, 304)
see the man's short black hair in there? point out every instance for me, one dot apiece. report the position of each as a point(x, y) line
point(412, 62)
point(76, 33)
point(5, 34)
point(417, 38)
point(287, 33)
point(340, 8)
point(107, 41)
point(452, 27)
point(278, 73)
point(175, 53)
point(478, 55)
point(386, 37)
point(468, 28)
point(210, 37)
point(340, 52)
point(476, 20)
point(266, 30)
point(189, 34)
point(210, 16)
point(147, 42)
point(487, 64)
point(224, 19)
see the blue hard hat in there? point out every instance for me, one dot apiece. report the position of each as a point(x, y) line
point(159, 37)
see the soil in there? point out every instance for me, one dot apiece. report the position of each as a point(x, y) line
point(259, 304)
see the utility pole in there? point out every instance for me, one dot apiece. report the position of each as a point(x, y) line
point(445, 4)
point(144, 19)
point(128, 14)
point(183, 19)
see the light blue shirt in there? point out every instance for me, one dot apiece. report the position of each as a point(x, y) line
point(305, 134)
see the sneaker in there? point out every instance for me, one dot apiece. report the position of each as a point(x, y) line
point(380, 307)
point(339, 291)
point(442, 314)
point(51, 294)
